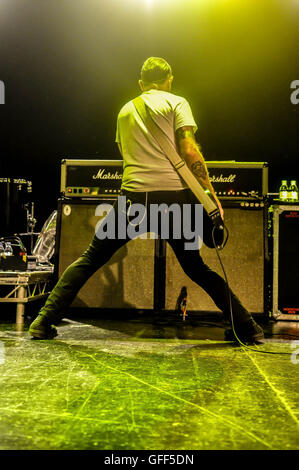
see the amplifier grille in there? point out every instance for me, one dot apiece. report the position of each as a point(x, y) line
point(243, 260)
point(126, 281)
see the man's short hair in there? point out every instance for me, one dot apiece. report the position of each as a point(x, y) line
point(155, 70)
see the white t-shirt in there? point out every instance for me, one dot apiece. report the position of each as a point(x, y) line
point(146, 167)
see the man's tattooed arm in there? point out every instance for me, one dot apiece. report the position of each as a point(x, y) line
point(190, 152)
point(199, 169)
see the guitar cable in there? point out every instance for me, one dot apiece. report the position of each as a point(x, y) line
point(230, 300)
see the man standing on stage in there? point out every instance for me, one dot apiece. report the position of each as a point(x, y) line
point(149, 178)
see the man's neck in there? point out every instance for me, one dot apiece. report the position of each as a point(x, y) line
point(156, 89)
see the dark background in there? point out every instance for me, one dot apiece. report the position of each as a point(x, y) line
point(69, 65)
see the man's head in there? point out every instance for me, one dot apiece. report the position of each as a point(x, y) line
point(156, 74)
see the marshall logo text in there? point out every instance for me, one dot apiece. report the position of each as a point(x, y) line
point(223, 179)
point(102, 175)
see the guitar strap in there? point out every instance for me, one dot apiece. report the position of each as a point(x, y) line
point(179, 164)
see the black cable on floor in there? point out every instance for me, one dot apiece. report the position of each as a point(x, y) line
point(230, 301)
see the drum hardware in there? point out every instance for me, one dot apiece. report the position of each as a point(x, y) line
point(45, 244)
point(14, 193)
point(31, 223)
point(13, 255)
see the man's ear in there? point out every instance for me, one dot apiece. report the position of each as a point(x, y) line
point(141, 85)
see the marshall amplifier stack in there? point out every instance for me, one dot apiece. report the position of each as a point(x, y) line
point(129, 280)
point(102, 178)
point(90, 178)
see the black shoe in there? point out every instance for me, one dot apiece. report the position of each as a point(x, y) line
point(41, 328)
point(249, 332)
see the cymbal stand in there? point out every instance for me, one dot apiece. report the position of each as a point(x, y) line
point(31, 222)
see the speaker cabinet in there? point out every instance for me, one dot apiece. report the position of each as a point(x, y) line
point(125, 282)
point(243, 258)
point(145, 273)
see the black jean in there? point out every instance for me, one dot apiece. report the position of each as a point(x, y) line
point(101, 250)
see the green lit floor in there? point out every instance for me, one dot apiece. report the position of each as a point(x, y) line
point(133, 385)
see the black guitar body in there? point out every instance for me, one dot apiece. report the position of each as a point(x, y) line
point(208, 231)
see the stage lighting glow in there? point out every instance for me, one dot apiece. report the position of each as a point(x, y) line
point(149, 3)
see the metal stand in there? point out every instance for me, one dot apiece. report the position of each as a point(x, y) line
point(25, 287)
point(159, 275)
point(31, 222)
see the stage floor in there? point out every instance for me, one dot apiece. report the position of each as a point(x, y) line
point(120, 385)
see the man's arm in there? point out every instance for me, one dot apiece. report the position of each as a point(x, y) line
point(189, 151)
point(119, 148)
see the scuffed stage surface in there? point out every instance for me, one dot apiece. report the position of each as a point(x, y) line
point(134, 385)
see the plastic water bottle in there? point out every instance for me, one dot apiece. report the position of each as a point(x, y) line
point(293, 191)
point(283, 191)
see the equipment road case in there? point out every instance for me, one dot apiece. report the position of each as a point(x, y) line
point(285, 293)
